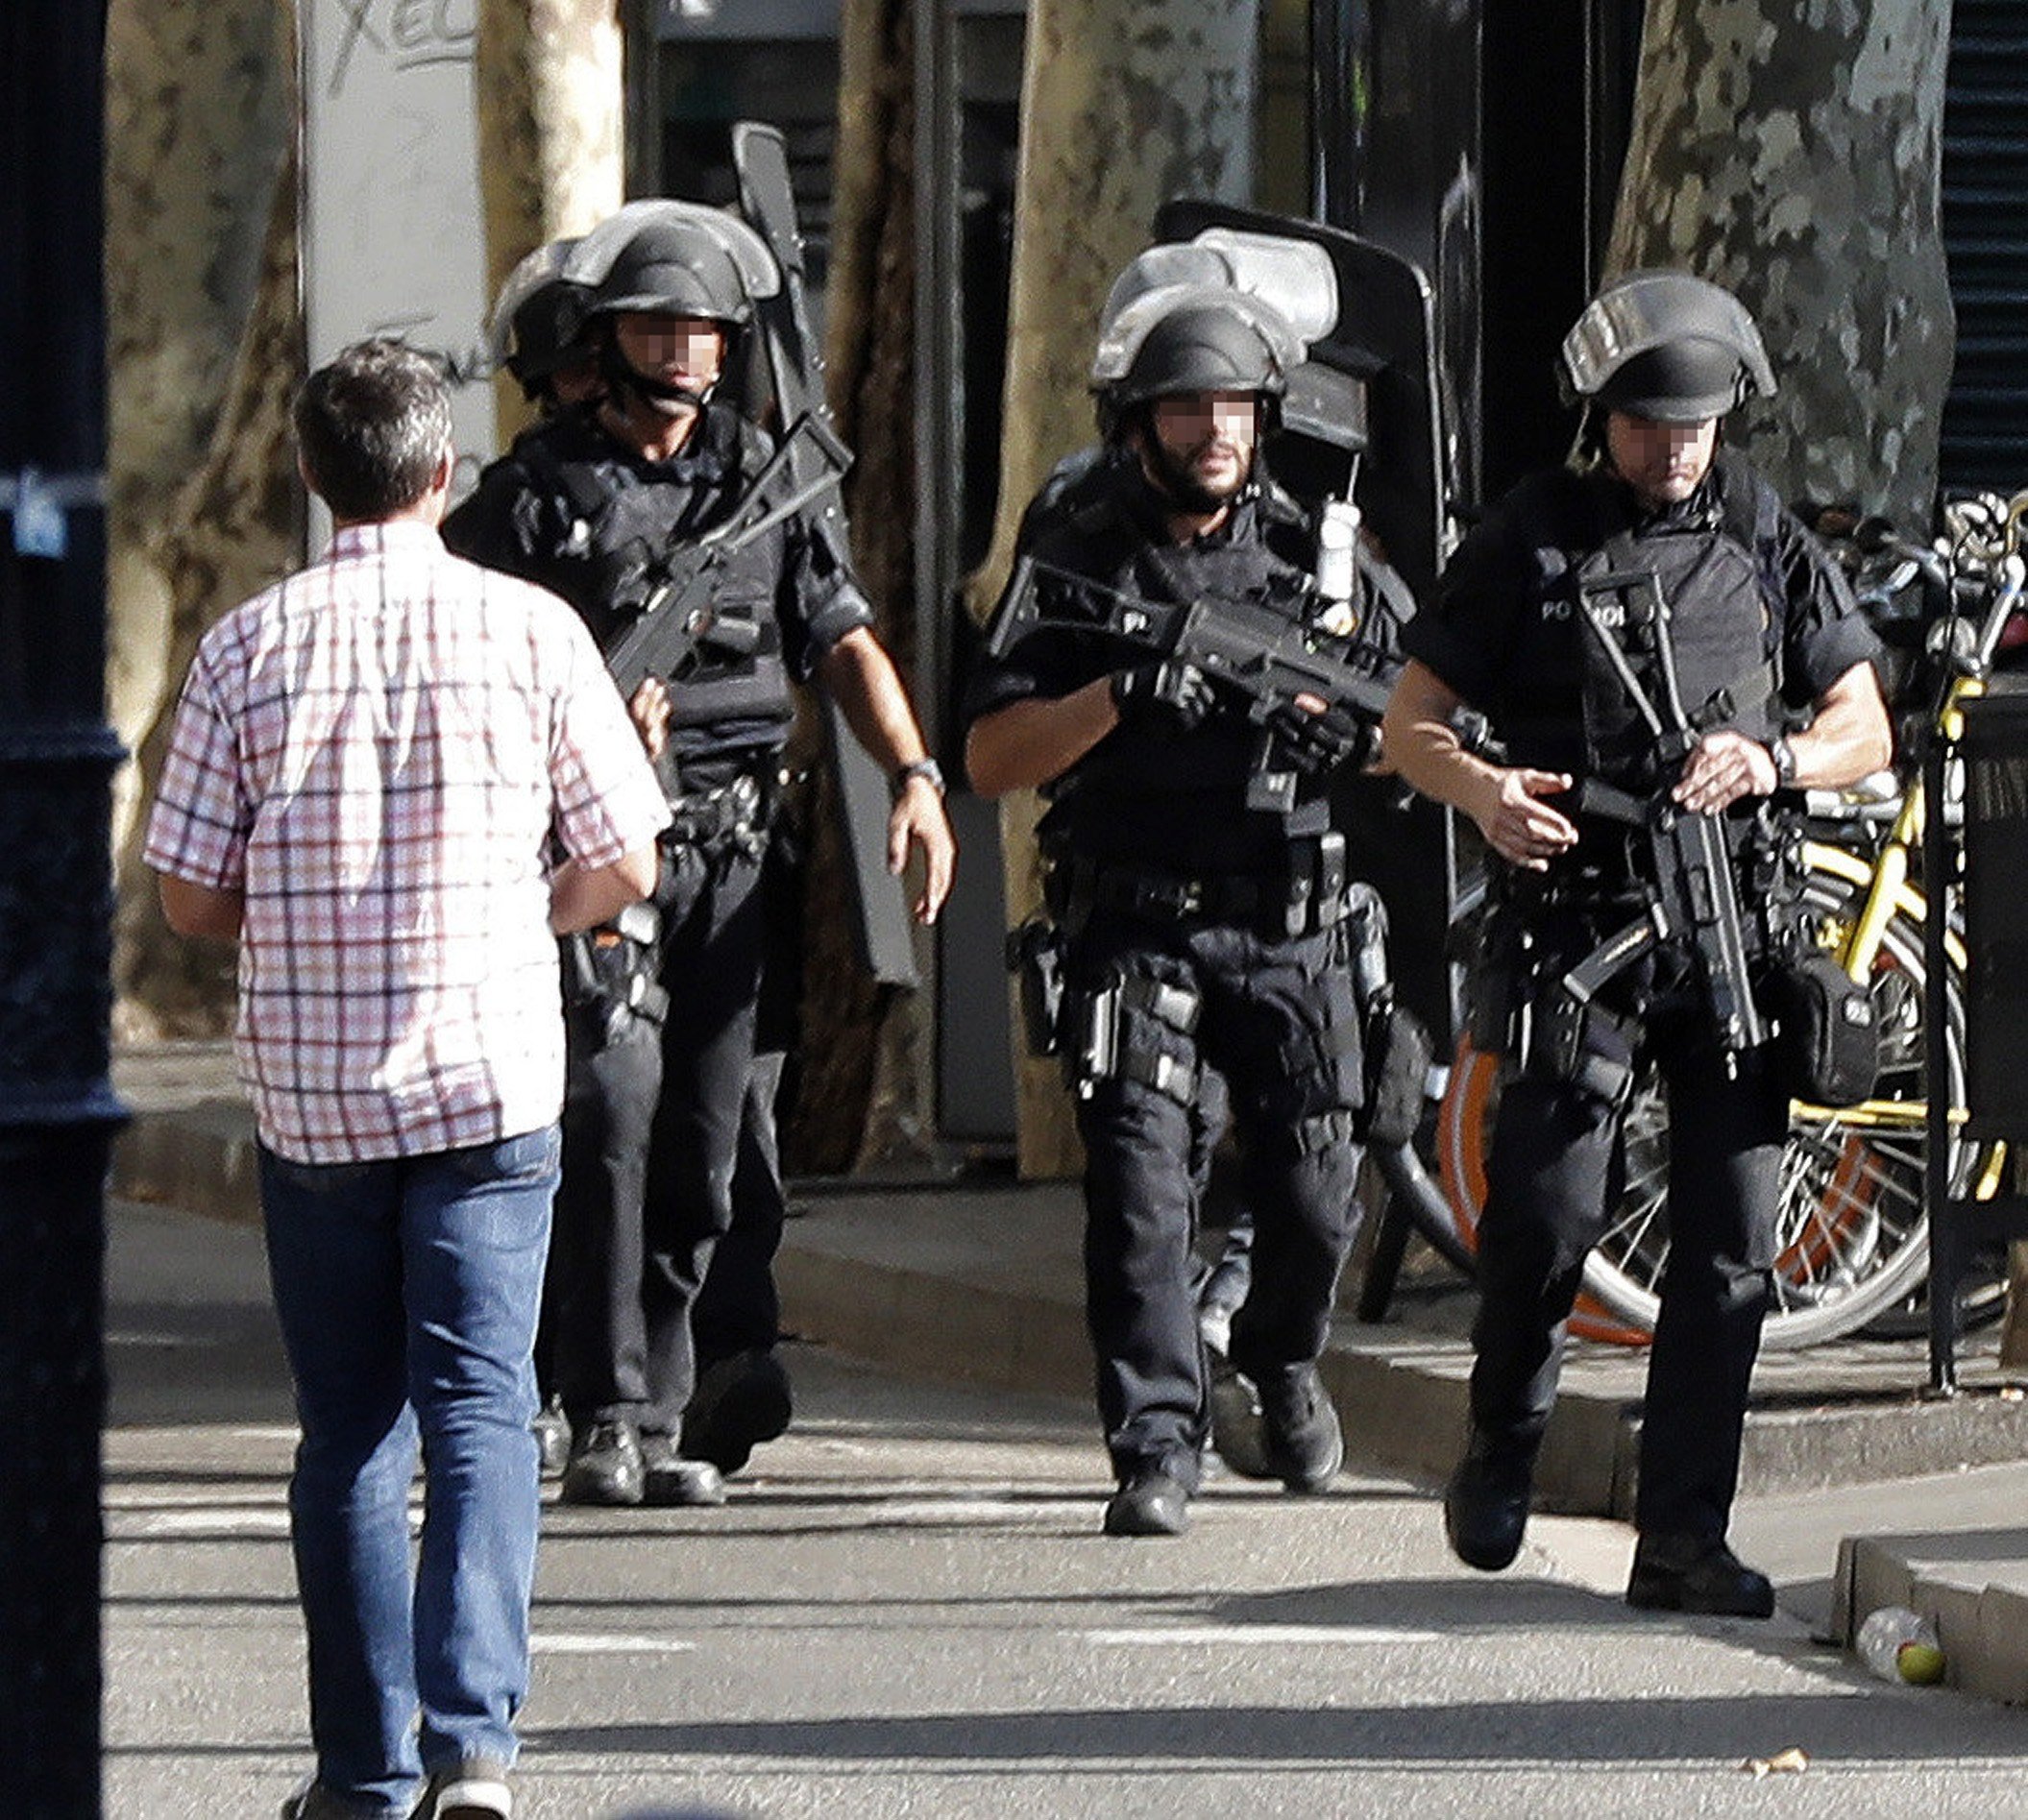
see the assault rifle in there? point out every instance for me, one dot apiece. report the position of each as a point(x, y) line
point(1694, 896)
point(1270, 660)
point(679, 621)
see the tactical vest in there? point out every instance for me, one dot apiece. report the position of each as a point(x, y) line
point(614, 523)
point(1181, 793)
point(1717, 568)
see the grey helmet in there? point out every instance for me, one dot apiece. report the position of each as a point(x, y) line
point(1226, 311)
point(679, 258)
point(1667, 345)
point(537, 319)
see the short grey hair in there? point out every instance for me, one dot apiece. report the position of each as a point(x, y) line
point(372, 426)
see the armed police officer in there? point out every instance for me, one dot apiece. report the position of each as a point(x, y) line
point(1200, 921)
point(538, 333)
point(1556, 619)
point(602, 505)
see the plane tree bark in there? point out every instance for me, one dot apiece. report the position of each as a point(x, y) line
point(1794, 154)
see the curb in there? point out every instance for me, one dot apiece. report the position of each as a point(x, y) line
point(1981, 1624)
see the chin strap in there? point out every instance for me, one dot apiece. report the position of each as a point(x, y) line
point(621, 376)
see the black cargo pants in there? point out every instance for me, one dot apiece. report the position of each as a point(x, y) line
point(1275, 1017)
point(651, 1143)
point(1558, 1168)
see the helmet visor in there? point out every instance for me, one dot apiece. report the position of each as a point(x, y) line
point(591, 261)
point(1120, 343)
point(1652, 309)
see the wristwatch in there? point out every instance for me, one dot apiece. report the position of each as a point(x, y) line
point(1784, 756)
point(926, 768)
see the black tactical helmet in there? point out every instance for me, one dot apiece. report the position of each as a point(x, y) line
point(1666, 345)
point(676, 258)
point(1190, 338)
point(1201, 347)
point(677, 267)
point(537, 318)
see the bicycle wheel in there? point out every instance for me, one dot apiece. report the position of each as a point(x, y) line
point(1409, 1181)
point(1851, 1227)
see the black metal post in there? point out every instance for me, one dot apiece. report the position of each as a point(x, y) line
point(1939, 871)
point(57, 756)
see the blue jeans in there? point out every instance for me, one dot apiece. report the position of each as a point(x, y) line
point(407, 1293)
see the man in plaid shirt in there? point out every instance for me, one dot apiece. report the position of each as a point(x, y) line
point(370, 767)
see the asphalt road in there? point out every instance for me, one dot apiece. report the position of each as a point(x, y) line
point(907, 1610)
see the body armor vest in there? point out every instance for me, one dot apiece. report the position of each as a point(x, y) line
point(1718, 627)
point(1567, 709)
point(620, 523)
point(1181, 794)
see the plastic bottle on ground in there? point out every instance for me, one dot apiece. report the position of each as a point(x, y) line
point(1900, 1645)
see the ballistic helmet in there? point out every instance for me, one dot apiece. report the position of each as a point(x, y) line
point(1665, 346)
point(1226, 312)
point(681, 258)
point(536, 318)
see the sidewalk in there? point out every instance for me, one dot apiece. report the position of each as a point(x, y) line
point(1856, 1490)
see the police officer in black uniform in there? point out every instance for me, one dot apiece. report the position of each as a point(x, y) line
point(590, 505)
point(1197, 928)
point(743, 1396)
point(536, 331)
point(1656, 360)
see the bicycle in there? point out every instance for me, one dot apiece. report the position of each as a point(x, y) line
point(1852, 1229)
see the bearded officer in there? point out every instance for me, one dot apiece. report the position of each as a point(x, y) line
point(1199, 927)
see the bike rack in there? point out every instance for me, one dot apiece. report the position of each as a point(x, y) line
point(1991, 736)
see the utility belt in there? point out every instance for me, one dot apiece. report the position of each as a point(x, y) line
point(735, 815)
point(1111, 1033)
point(1309, 896)
point(1544, 1018)
point(1138, 1028)
point(1551, 950)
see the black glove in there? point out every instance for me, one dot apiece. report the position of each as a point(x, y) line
point(1313, 743)
point(1168, 694)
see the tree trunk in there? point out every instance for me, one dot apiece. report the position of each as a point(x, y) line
point(1793, 154)
point(863, 1083)
point(1124, 105)
point(550, 136)
point(203, 343)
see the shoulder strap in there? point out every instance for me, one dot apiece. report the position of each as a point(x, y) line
point(1752, 511)
point(1397, 599)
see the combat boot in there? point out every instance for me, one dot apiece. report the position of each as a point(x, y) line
point(1149, 1502)
point(1699, 1575)
point(604, 1466)
point(1486, 1503)
point(553, 1438)
point(1238, 1432)
point(740, 1402)
point(669, 1478)
point(1300, 1441)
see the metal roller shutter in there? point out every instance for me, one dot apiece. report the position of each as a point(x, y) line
point(1985, 235)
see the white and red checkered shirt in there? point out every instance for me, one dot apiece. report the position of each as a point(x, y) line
point(376, 751)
